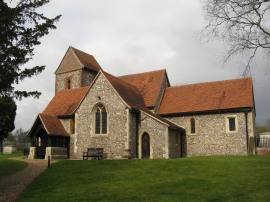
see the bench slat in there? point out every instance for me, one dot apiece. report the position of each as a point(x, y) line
point(93, 152)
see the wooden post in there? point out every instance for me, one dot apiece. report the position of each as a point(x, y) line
point(49, 161)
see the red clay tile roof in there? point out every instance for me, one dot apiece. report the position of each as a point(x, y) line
point(133, 98)
point(65, 102)
point(52, 125)
point(229, 94)
point(87, 60)
point(148, 84)
point(75, 59)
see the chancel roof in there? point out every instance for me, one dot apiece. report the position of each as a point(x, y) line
point(210, 96)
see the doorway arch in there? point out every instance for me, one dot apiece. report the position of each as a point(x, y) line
point(145, 146)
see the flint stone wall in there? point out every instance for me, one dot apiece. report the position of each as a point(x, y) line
point(158, 134)
point(87, 77)
point(75, 77)
point(114, 142)
point(79, 78)
point(211, 137)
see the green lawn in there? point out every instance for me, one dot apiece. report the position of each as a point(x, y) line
point(7, 156)
point(8, 166)
point(188, 179)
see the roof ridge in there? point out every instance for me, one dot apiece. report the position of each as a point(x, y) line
point(87, 60)
point(140, 106)
point(211, 82)
point(77, 50)
point(142, 73)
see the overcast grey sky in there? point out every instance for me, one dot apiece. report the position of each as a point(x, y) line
point(131, 36)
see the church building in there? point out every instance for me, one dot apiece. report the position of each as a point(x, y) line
point(141, 115)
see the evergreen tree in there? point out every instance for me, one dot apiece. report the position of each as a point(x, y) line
point(21, 30)
point(7, 116)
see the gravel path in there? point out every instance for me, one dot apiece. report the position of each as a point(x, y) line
point(12, 186)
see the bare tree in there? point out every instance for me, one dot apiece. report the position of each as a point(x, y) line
point(243, 24)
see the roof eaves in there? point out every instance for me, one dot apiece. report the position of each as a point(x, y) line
point(30, 131)
point(40, 116)
point(169, 124)
point(240, 109)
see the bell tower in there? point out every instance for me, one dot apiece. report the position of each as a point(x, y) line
point(77, 69)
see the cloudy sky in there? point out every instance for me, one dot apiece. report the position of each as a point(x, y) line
point(131, 36)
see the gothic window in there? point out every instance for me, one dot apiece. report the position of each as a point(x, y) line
point(192, 126)
point(104, 121)
point(100, 114)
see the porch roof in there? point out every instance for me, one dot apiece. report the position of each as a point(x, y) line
point(53, 125)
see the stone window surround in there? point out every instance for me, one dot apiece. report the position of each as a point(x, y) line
point(228, 131)
point(68, 84)
point(189, 126)
point(93, 133)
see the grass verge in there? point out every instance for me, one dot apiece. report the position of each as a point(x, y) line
point(8, 166)
point(188, 179)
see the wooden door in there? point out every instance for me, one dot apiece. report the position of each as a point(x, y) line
point(145, 146)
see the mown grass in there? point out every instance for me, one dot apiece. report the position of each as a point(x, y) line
point(9, 166)
point(188, 179)
point(7, 156)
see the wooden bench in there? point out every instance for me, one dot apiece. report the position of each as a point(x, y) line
point(93, 153)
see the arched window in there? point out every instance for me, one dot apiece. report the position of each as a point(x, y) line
point(100, 114)
point(68, 83)
point(192, 126)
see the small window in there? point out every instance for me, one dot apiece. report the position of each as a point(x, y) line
point(68, 83)
point(192, 126)
point(231, 124)
point(100, 114)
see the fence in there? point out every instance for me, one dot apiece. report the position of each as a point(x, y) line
point(19, 146)
point(263, 142)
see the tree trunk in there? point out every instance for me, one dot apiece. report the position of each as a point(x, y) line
point(1, 145)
